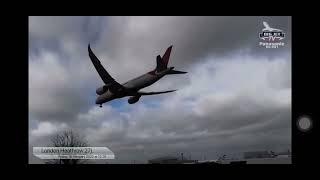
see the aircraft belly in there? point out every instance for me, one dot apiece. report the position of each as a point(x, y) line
point(107, 94)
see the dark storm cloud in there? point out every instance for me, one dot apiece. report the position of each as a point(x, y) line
point(194, 38)
point(122, 42)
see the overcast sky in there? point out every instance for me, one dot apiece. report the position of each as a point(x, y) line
point(236, 96)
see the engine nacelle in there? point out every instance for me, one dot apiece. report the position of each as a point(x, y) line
point(102, 90)
point(133, 99)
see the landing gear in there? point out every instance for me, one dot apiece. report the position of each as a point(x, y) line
point(100, 105)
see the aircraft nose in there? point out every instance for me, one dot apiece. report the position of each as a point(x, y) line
point(98, 100)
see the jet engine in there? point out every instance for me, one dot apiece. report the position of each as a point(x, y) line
point(102, 90)
point(133, 99)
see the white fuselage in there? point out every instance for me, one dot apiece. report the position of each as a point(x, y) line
point(141, 81)
point(145, 80)
point(133, 85)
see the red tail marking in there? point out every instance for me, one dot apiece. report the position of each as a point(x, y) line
point(166, 56)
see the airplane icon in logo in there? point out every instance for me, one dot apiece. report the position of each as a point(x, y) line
point(268, 28)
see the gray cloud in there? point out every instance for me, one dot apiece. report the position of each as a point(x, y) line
point(236, 96)
point(125, 41)
point(194, 38)
point(53, 90)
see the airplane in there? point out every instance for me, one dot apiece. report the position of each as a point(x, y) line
point(113, 90)
point(268, 28)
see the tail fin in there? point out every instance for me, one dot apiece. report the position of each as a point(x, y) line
point(166, 56)
point(162, 63)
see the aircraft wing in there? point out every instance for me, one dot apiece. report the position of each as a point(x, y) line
point(153, 93)
point(105, 76)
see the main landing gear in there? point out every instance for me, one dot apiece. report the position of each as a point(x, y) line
point(100, 105)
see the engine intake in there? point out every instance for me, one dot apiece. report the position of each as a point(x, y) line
point(102, 90)
point(133, 99)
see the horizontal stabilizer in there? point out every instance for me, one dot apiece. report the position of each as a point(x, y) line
point(153, 93)
point(176, 72)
